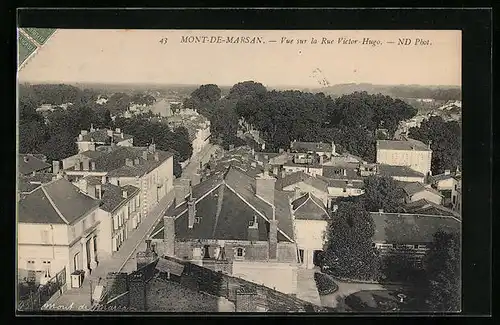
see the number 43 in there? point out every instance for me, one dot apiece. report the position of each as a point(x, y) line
point(164, 40)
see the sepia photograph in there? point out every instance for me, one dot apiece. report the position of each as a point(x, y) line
point(228, 171)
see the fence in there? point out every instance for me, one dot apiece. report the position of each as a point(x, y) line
point(35, 300)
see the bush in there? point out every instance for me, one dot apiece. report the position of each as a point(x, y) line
point(325, 284)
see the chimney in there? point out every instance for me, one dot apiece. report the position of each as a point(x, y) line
point(253, 230)
point(124, 194)
point(98, 191)
point(83, 132)
point(280, 151)
point(77, 164)
point(157, 158)
point(55, 166)
point(92, 165)
point(429, 145)
point(80, 137)
point(273, 239)
point(297, 193)
point(117, 130)
point(148, 245)
point(380, 210)
point(145, 155)
point(169, 235)
point(345, 172)
point(136, 161)
point(335, 207)
point(334, 148)
point(104, 180)
point(321, 159)
point(191, 212)
point(129, 162)
point(110, 133)
point(447, 172)
point(92, 127)
point(264, 186)
point(85, 164)
point(121, 134)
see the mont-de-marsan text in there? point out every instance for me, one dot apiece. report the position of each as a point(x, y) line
point(221, 39)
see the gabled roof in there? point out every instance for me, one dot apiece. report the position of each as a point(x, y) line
point(411, 188)
point(112, 196)
point(442, 177)
point(409, 144)
point(411, 228)
point(291, 179)
point(337, 172)
point(424, 206)
point(227, 204)
point(56, 202)
point(28, 164)
point(311, 146)
point(397, 171)
point(309, 207)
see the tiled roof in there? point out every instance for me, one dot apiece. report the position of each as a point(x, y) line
point(345, 184)
point(291, 179)
point(411, 228)
point(311, 146)
point(113, 161)
point(441, 177)
point(424, 206)
point(28, 164)
point(409, 144)
point(411, 188)
point(102, 136)
point(112, 196)
point(30, 182)
point(395, 171)
point(309, 207)
point(226, 204)
point(40, 206)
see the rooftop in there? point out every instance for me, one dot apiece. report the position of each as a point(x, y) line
point(409, 144)
point(30, 182)
point(411, 188)
point(56, 202)
point(112, 196)
point(397, 171)
point(226, 204)
point(29, 163)
point(424, 206)
point(411, 228)
point(337, 172)
point(309, 207)
point(102, 136)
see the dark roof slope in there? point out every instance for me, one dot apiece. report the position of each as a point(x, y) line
point(40, 206)
point(395, 171)
point(411, 188)
point(411, 228)
point(28, 164)
point(309, 207)
point(424, 206)
point(112, 196)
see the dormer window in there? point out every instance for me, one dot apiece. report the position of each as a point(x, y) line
point(197, 220)
point(239, 253)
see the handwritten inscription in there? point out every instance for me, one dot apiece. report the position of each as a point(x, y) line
point(287, 40)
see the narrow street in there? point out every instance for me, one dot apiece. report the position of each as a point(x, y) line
point(124, 259)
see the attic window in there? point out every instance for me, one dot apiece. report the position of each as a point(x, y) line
point(239, 252)
point(197, 219)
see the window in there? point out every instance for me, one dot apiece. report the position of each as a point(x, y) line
point(374, 245)
point(301, 256)
point(84, 224)
point(73, 232)
point(344, 190)
point(115, 222)
point(30, 264)
point(415, 246)
point(46, 268)
point(45, 236)
point(239, 252)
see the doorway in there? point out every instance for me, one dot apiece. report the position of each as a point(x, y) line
point(301, 256)
point(206, 251)
point(76, 262)
point(87, 246)
point(95, 248)
point(318, 257)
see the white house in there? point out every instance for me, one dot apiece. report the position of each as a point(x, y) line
point(409, 152)
point(57, 228)
point(310, 223)
point(418, 191)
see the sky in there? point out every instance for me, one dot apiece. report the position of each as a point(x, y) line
point(138, 56)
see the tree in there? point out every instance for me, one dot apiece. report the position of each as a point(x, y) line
point(246, 89)
point(445, 138)
point(207, 93)
point(382, 193)
point(442, 262)
point(349, 250)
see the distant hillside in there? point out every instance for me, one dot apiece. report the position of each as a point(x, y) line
point(401, 91)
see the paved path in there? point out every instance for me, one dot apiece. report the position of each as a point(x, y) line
point(203, 156)
point(306, 286)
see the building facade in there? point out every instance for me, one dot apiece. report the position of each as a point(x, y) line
point(411, 153)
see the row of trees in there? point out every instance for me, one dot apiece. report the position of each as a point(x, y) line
point(349, 251)
point(54, 135)
point(284, 116)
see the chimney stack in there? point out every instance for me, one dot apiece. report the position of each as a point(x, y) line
point(345, 172)
point(273, 239)
point(110, 133)
point(117, 130)
point(92, 165)
point(191, 212)
point(447, 172)
point(335, 207)
point(124, 194)
point(169, 235)
point(321, 160)
point(253, 230)
point(55, 167)
point(92, 127)
point(334, 148)
point(121, 134)
point(265, 186)
point(136, 161)
point(80, 137)
point(98, 191)
point(157, 158)
point(380, 210)
point(145, 155)
point(104, 180)
point(83, 132)
point(77, 164)
point(297, 193)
